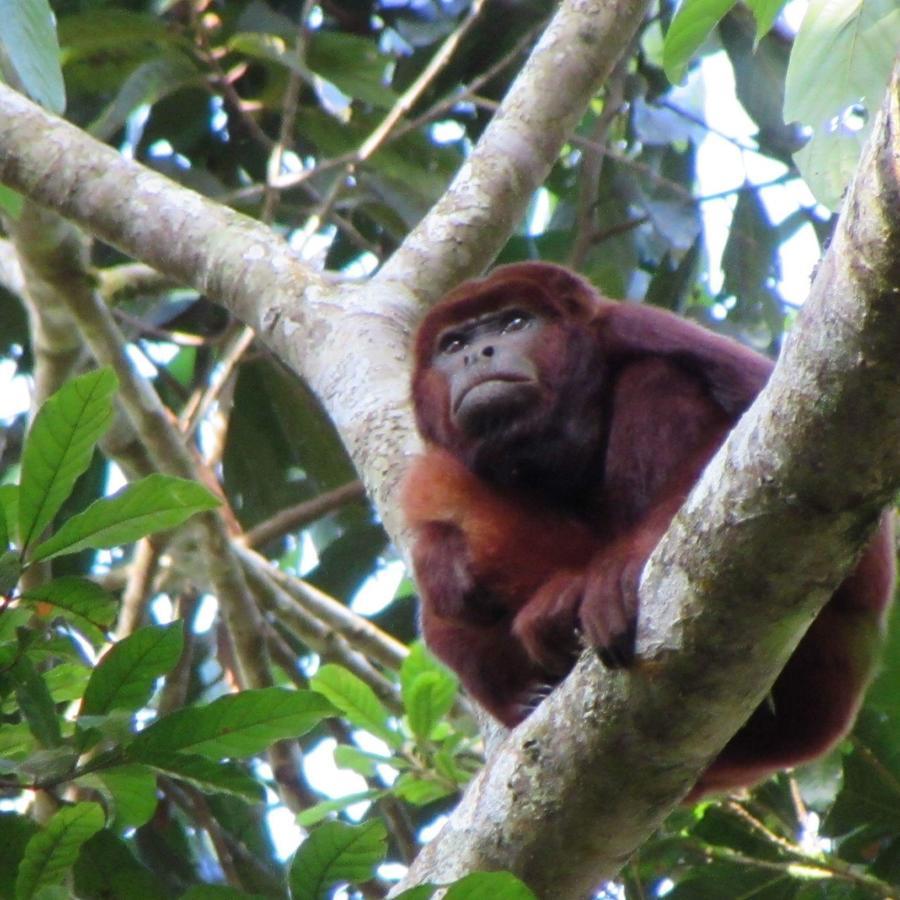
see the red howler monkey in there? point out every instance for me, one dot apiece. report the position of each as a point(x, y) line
point(563, 432)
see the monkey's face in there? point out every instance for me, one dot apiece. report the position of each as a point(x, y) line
point(489, 366)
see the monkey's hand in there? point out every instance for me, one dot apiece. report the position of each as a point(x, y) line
point(609, 607)
point(547, 625)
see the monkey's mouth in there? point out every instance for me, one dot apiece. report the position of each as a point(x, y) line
point(492, 401)
point(482, 389)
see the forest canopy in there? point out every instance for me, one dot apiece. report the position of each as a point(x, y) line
point(211, 681)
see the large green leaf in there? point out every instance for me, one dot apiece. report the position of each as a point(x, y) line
point(836, 78)
point(59, 447)
point(125, 676)
point(53, 850)
point(691, 26)
point(352, 63)
point(333, 853)
point(152, 504)
point(232, 726)
point(427, 701)
point(28, 39)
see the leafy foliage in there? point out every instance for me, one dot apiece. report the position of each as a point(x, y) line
point(131, 765)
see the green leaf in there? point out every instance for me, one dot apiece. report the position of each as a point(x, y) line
point(213, 777)
point(418, 661)
point(356, 700)
point(36, 703)
point(16, 741)
point(67, 681)
point(10, 571)
point(353, 64)
point(236, 725)
point(80, 596)
point(53, 850)
point(17, 830)
point(496, 885)
point(419, 791)
point(336, 852)
point(11, 202)
point(154, 503)
point(28, 39)
point(149, 83)
point(691, 26)
point(346, 757)
point(270, 47)
point(125, 676)
point(841, 60)
point(130, 792)
point(429, 690)
point(106, 868)
point(765, 12)
point(427, 701)
point(312, 815)
point(59, 448)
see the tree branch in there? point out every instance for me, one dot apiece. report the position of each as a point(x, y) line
point(469, 225)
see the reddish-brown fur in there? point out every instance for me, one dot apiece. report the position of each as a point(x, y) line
point(536, 533)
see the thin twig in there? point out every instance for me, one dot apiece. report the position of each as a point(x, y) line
point(296, 517)
point(236, 345)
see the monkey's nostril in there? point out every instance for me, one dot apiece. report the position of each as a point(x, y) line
point(488, 351)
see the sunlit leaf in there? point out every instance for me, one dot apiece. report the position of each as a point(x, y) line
point(356, 700)
point(236, 725)
point(836, 78)
point(59, 448)
point(152, 504)
point(691, 26)
point(314, 814)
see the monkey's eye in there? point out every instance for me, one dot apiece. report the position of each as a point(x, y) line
point(452, 342)
point(515, 320)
